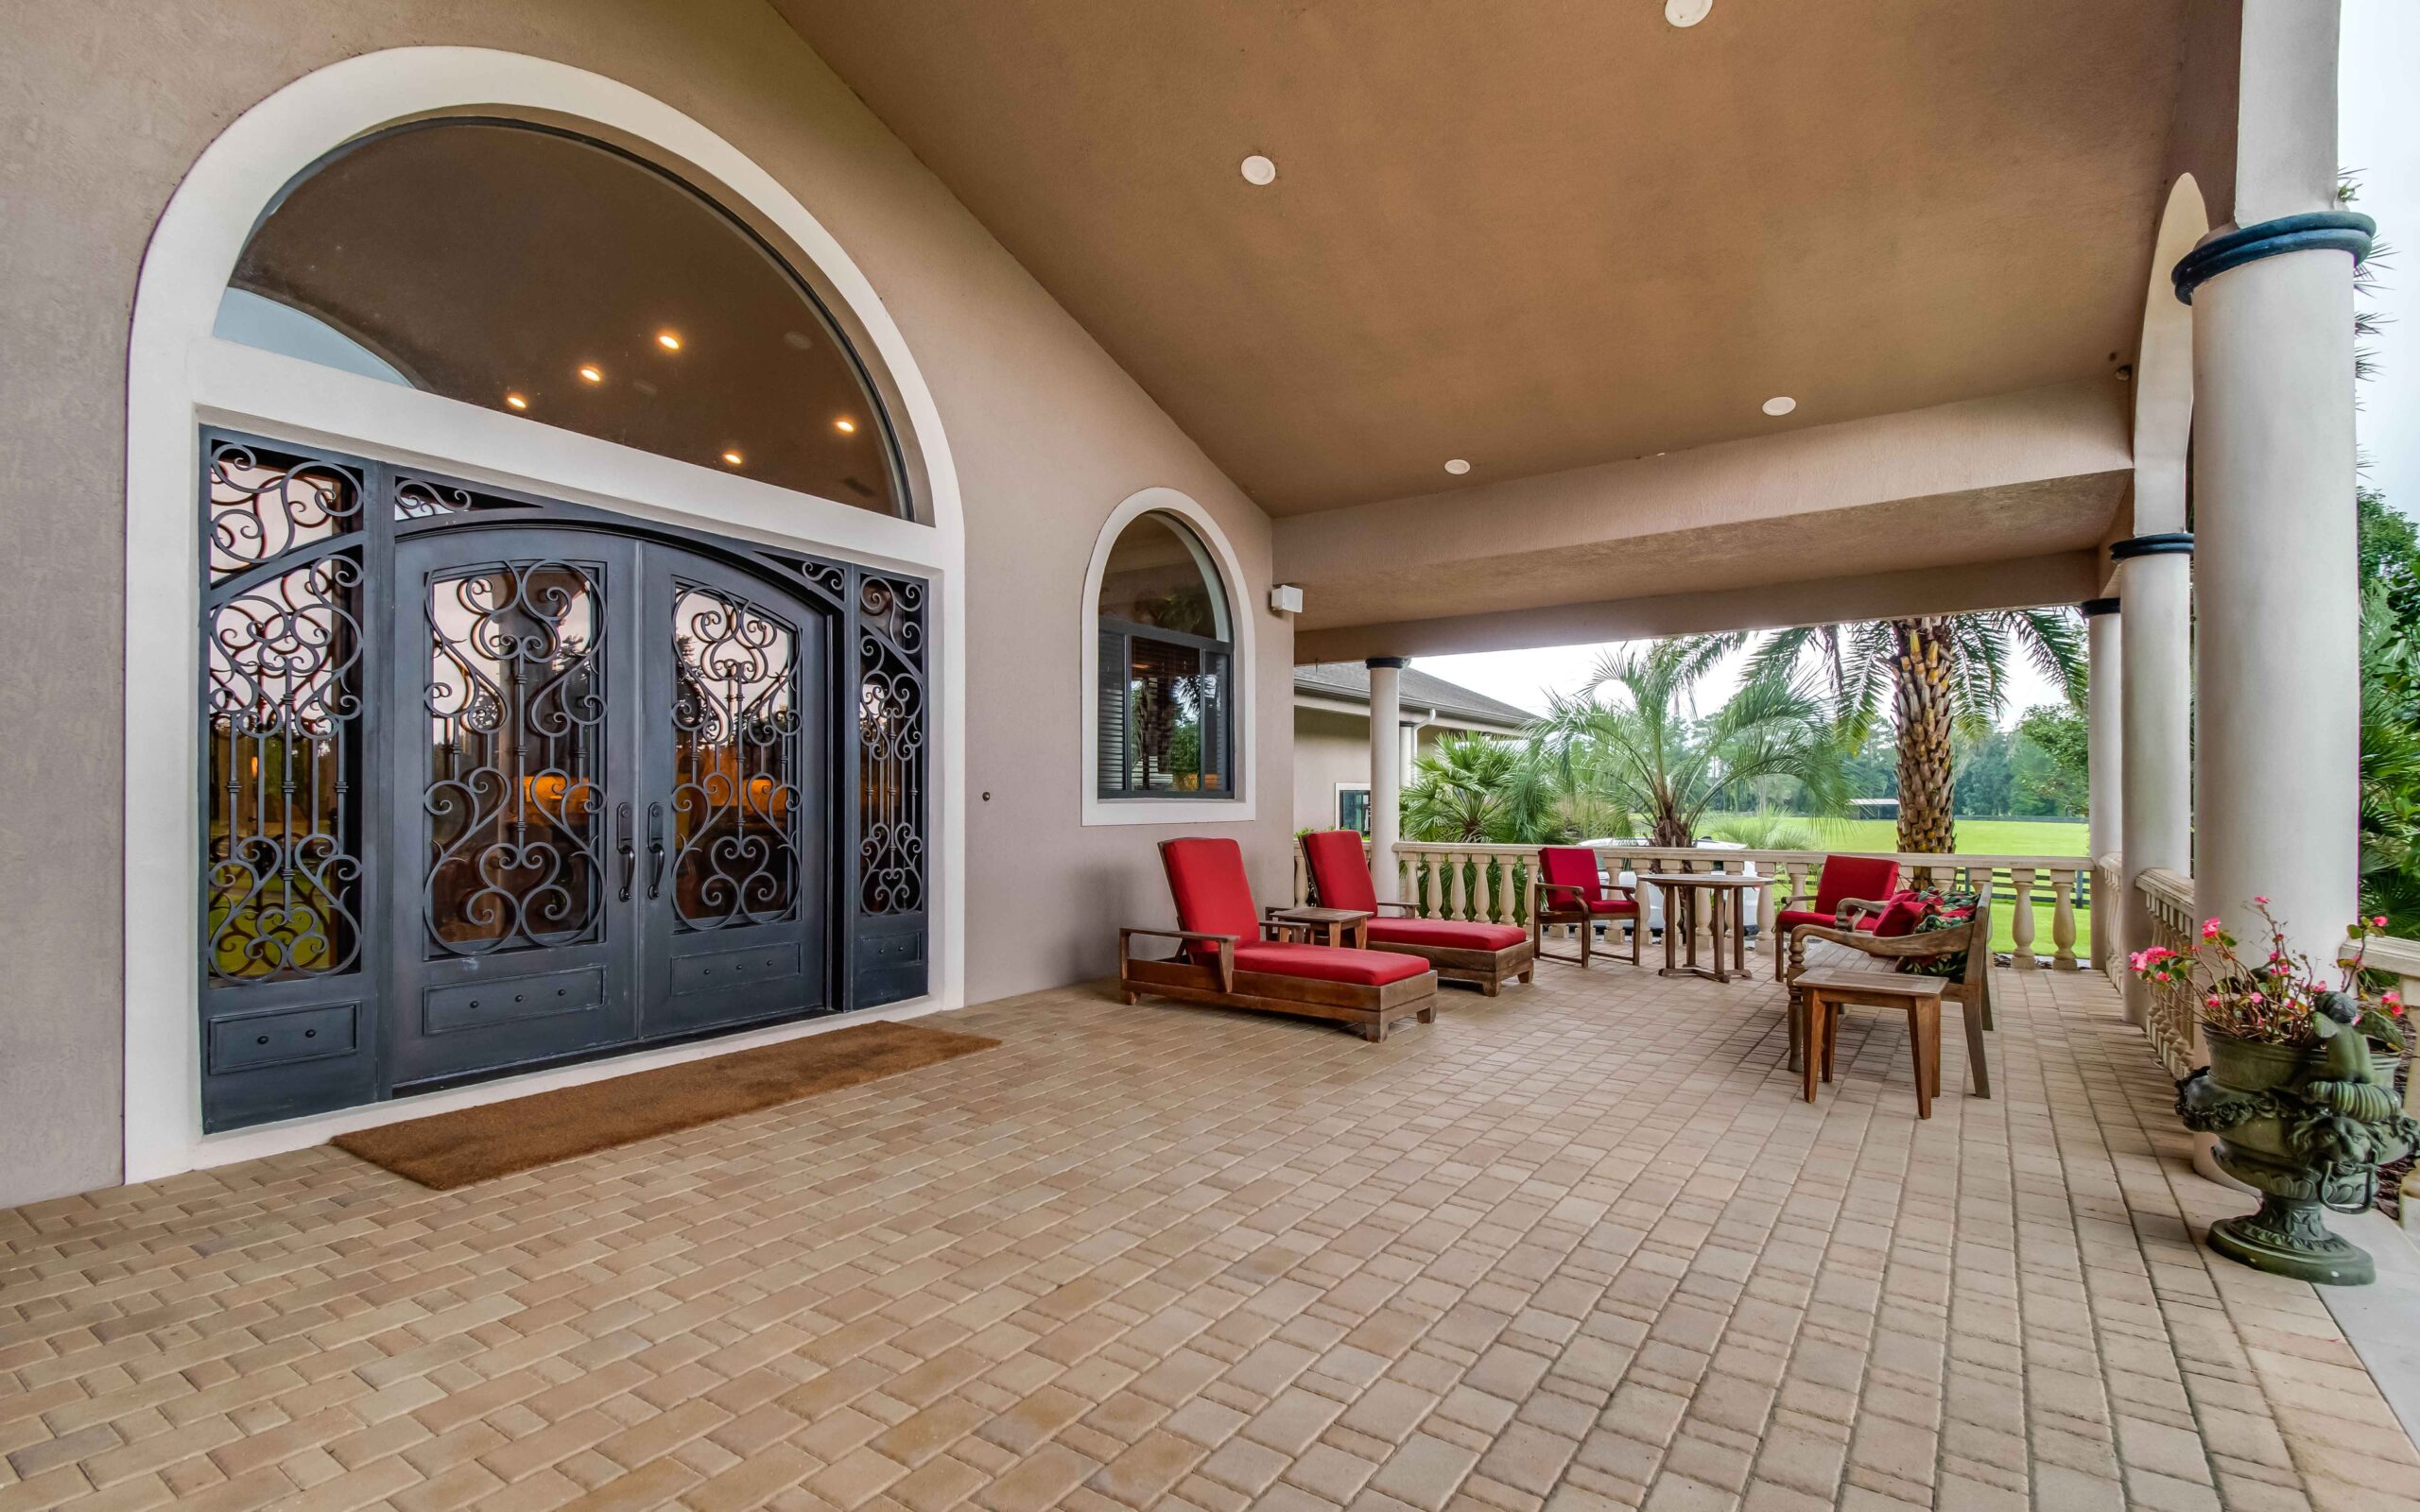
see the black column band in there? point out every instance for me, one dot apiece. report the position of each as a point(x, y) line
point(2339, 231)
point(2094, 608)
point(2173, 543)
point(1387, 662)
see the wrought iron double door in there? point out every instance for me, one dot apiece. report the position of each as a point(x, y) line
point(609, 806)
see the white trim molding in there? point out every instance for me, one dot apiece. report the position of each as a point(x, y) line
point(1239, 809)
point(180, 377)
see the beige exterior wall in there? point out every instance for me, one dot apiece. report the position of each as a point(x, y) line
point(1332, 746)
point(108, 102)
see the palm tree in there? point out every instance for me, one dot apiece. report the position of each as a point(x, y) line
point(1474, 789)
point(1645, 751)
point(1947, 674)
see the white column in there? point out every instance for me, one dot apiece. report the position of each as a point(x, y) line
point(2156, 785)
point(2106, 743)
point(2278, 680)
point(2278, 663)
point(1386, 772)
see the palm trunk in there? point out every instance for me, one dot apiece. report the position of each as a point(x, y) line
point(1921, 698)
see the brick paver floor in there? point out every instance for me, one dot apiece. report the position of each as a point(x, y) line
point(1579, 1247)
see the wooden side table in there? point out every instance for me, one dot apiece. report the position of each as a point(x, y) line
point(1328, 926)
point(1816, 1003)
point(1722, 892)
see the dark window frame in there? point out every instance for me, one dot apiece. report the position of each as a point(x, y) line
point(1109, 781)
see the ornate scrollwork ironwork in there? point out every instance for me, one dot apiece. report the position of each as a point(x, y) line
point(420, 499)
point(735, 797)
point(891, 744)
point(260, 506)
point(516, 702)
point(282, 705)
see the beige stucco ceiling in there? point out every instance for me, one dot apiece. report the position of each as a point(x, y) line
point(1548, 235)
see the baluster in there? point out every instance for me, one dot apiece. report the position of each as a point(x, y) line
point(1416, 883)
point(1450, 896)
point(1301, 880)
point(2062, 921)
point(2021, 915)
point(1500, 883)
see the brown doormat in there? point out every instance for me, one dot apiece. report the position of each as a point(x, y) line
point(477, 1143)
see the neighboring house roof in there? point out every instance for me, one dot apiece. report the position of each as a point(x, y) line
point(1349, 681)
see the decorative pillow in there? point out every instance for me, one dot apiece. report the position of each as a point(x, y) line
point(1902, 913)
point(1949, 910)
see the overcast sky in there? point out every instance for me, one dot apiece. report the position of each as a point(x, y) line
point(2381, 146)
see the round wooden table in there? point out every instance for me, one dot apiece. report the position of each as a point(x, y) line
point(1720, 893)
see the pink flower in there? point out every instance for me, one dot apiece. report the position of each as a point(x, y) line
point(2377, 921)
point(2212, 1001)
point(2258, 998)
point(2262, 902)
point(2210, 929)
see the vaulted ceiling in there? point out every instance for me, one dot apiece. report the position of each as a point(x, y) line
point(1546, 234)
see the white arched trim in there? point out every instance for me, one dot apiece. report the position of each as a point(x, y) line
point(1097, 810)
point(180, 378)
point(2164, 370)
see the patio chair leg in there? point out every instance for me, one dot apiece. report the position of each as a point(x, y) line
point(1793, 1010)
point(1978, 1017)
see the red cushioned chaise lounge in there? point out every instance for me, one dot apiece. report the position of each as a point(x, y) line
point(1226, 961)
point(1461, 950)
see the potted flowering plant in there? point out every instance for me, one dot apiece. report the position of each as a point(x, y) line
point(2304, 1111)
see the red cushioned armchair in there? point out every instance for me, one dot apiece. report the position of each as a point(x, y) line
point(1226, 959)
point(1461, 950)
point(1870, 880)
point(1568, 890)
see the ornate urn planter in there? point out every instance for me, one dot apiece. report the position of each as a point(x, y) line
point(2307, 1127)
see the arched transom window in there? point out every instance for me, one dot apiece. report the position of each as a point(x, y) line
point(1166, 724)
point(546, 275)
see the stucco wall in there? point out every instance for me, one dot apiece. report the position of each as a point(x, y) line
point(1329, 748)
point(106, 104)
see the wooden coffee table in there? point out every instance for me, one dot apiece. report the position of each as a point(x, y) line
point(1328, 926)
point(1816, 997)
point(1722, 892)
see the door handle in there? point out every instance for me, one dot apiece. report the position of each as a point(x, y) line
point(628, 852)
point(655, 850)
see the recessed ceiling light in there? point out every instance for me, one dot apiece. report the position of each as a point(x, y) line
point(1687, 13)
point(592, 373)
point(1258, 170)
point(1780, 404)
point(733, 458)
point(669, 340)
point(516, 401)
point(844, 426)
point(1458, 467)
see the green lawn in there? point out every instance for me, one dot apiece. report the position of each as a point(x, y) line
point(2002, 837)
point(2005, 837)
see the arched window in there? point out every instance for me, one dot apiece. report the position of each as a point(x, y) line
point(1167, 667)
point(529, 270)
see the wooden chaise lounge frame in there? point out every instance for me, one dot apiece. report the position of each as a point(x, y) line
point(1219, 982)
point(1487, 968)
point(1369, 1009)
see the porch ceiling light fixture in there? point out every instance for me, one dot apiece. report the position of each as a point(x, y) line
point(516, 401)
point(590, 372)
point(733, 458)
point(1780, 404)
point(1687, 13)
point(669, 340)
point(846, 427)
point(1259, 170)
point(1456, 467)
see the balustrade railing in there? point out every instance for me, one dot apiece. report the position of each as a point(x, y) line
point(2169, 1017)
point(1491, 882)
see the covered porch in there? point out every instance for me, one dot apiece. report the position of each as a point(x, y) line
point(1580, 1245)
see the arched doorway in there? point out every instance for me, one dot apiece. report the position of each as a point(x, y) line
point(570, 565)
